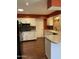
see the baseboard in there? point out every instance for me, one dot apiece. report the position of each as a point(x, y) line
point(28, 40)
point(40, 37)
point(33, 39)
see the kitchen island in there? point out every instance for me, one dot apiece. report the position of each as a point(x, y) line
point(52, 44)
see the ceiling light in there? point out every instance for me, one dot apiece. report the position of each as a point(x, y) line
point(27, 3)
point(20, 10)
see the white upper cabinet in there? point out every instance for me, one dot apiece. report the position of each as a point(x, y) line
point(32, 21)
point(50, 21)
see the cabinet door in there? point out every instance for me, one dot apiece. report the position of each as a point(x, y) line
point(34, 35)
point(29, 35)
point(48, 48)
point(25, 35)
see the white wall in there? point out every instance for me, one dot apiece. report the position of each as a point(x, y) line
point(40, 27)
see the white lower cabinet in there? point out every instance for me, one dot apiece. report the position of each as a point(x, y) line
point(55, 51)
point(29, 35)
point(48, 48)
point(52, 50)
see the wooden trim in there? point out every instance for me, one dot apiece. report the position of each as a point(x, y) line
point(28, 40)
point(31, 16)
point(45, 23)
point(38, 16)
point(40, 37)
point(55, 13)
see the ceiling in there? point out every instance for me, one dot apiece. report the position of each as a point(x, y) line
point(34, 7)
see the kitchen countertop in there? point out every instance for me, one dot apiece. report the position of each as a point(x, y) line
point(51, 37)
point(29, 31)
